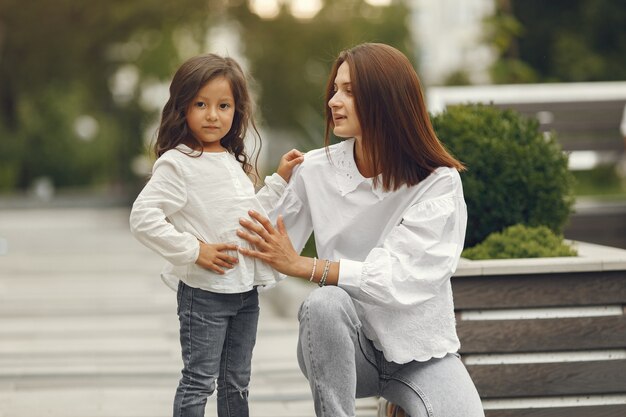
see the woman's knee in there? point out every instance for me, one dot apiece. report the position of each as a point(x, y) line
point(326, 303)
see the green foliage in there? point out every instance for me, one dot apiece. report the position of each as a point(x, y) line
point(290, 58)
point(58, 60)
point(56, 63)
point(520, 241)
point(459, 77)
point(559, 40)
point(515, 173)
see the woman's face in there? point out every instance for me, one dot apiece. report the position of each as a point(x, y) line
point(345, 120)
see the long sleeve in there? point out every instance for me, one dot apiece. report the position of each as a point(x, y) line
point(415, 259)
point(295, 211)
point(271, 192)
point(164, 194)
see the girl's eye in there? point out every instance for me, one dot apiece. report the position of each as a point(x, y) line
point(200, 104)
point(224, 106)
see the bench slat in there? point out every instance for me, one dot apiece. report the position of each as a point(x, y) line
point(539, 290)
point(585, 411)
point(542, 335)
point(548, 379)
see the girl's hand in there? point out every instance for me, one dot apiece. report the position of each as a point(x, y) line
point(273, 245)
point(214, 256)
point(288, 162)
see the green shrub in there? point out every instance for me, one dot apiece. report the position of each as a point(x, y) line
point(515, 173)
point(520, 241)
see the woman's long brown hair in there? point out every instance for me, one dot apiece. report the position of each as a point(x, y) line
point(398, 139)
point(188, 80)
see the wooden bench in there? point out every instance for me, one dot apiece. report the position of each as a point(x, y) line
point(585, 116)
point(545, 340)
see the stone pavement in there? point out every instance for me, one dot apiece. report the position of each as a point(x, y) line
point(87, 329)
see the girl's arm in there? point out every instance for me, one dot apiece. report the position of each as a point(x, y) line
point(275, 184)
point(288, 162)
point(164, 195)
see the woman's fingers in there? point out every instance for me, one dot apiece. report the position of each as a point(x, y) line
point(264, 229)
point(264, 221)
point(254, 239)
point(280, 225)
point(252, 253)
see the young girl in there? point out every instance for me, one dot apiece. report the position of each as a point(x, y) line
point(188, 213)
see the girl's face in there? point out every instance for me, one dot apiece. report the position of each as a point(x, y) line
point(210, 114)
point(345, 120)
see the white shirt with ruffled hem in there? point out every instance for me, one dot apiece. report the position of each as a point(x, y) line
point(397, 250)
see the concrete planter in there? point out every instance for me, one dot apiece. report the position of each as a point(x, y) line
point(546, 336)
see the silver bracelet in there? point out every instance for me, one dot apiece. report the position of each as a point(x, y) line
point(314, 267)
point(325, 273)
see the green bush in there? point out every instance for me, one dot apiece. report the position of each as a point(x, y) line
point(515, 173)
point(520, 241)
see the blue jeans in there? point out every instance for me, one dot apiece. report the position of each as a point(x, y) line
point(341, 364)
point(217, 335)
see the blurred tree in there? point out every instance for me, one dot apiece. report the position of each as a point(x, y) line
point(58, 61)
point(560, 40)
point(73, 75)
point(291, 58)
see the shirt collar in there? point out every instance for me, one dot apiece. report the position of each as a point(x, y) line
point(347, 174)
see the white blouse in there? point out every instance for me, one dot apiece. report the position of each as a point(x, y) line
point(397, 250)
point(202, 198)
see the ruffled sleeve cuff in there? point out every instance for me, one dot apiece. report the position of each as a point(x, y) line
point(350, 273)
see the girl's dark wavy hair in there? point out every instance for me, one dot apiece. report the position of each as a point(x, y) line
point(188, 80)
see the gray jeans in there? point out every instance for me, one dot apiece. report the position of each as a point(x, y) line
point(217, 335)
point(341, 364)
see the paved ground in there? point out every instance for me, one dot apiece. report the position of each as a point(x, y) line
point(87, 329)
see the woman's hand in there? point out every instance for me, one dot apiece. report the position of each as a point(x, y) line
point(288, 162)
point(214, 256)
point(273, 245)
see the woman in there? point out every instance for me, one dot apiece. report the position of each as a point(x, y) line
point(386, 205)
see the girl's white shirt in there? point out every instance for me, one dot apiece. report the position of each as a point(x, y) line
point(397, 250)
point(202, 198)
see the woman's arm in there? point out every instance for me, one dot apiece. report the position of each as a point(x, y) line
point(409, 267)
point(416, 258)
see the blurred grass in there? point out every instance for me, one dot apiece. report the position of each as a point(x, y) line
point(602, 182)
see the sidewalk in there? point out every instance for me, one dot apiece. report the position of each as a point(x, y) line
point(87, 329)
